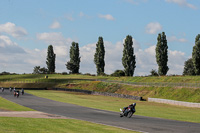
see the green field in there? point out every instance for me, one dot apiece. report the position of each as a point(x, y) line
point(40, 125)
point(113, 104)
point(10, 106)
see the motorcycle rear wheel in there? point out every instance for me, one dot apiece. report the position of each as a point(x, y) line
point(129, 114)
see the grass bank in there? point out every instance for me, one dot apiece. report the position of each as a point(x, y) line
point(173, 93)
point(82, 82)
point(32, 125)
point(113, 104)
point(163, 79)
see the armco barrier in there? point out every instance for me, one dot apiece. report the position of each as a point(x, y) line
point(102, 93)
point(173, 102)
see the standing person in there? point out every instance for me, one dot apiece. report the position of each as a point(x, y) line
point(10, 89)
point(2, 89)
point(14, 89)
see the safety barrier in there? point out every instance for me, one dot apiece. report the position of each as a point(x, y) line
point(174, 102)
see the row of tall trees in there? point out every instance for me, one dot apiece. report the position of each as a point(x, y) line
point(128, 59)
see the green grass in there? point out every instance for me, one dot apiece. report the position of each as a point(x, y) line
point(113, 104)
point(81, 82)
point(40, 77)
point(174, 93)
point(10, 106)
point(32, 125)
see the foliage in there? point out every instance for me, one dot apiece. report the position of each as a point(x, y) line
point(51, 57)
point(128, 59)
point(189, 67)
point(196, 55)
point(162, 54)
point(99, 56)
point(74, 64)
point(153, 72)
point(38, 70)
point(118, 73)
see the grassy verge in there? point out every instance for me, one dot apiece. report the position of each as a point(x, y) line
point(40, 125)
point(113, 104)
point(35, 77)
point(10, 106)
point(174, 93)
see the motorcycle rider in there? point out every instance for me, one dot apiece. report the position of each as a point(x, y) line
point(125, 111)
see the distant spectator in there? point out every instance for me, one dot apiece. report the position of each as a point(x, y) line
point(22, 91)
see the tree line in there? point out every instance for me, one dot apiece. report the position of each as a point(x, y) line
point(191, 67)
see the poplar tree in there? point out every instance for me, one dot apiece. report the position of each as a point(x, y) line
point(74, 64)
point(128, 59)
point(196, 55)
point(51, 57)
point(162, 54)
point(99, 56)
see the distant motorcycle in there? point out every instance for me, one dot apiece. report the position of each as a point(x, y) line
point(128, 111)
point(16, 94)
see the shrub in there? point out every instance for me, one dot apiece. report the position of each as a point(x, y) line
point(118, 73)
point(153, 72)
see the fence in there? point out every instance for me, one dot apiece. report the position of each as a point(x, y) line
point(173, 102)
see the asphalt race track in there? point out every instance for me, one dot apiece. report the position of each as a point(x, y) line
point(136, 123)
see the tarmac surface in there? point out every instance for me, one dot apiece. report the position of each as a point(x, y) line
point(136, 123)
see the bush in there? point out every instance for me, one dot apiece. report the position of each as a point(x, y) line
point(118, 73)
point(154, 73)
point(64, 73)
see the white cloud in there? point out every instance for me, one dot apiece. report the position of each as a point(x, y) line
point(13, 30)
point(153, 28)
point(55, 25)
point(9, 47)
point(54, 38)
point(182, 3)
point(107, 17)
point(176, 62)
point(175, 39)
point(69, 17)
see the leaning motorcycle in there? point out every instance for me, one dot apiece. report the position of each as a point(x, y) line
point(128, 112)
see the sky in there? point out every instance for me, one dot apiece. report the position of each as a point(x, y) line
point(28, 27)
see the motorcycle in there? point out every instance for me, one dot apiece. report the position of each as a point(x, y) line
point(16, 94)
point(128, 112)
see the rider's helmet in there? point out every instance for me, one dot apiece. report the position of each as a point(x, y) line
point(134, 104)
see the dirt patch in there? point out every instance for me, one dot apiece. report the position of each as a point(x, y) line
point(30, 114)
